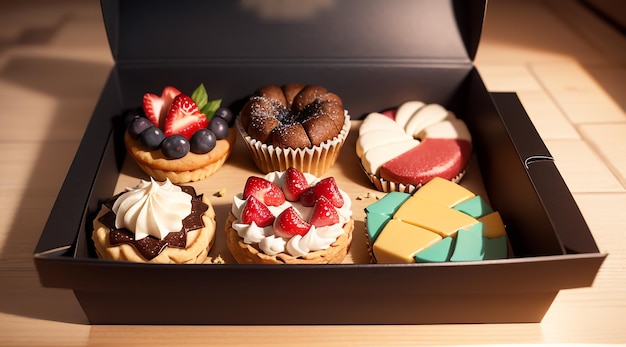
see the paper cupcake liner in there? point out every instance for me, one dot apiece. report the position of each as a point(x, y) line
point(385, 186)
point(315, 160)
point(369, 244)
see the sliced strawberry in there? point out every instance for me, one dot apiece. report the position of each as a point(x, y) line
point(265, 191)
point(156, 107)
point(184, 117)
point(294, 183)
point(168, 95)
point(324, 213)
point(327, 188)
point(255, 211)
point(290, 223)
point(152, 105)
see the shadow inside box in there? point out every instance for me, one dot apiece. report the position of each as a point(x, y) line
point(75, 87)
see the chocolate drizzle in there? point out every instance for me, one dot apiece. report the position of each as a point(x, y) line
point(150, 246)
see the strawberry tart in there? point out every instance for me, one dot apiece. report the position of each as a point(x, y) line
point(155, 223)
point(290, 217)
point(294, 125)
point(179, 137)
point(402, 149)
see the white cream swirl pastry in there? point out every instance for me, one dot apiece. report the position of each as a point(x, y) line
point(152, 209)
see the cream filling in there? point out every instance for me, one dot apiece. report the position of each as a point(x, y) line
point(152, 209)
point(406, 111)
point(382, 139)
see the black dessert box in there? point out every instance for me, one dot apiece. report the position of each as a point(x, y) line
point(374, 54)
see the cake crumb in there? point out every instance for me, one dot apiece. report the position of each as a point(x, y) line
point(367, 195)
point(220, 193)
point(216, 260)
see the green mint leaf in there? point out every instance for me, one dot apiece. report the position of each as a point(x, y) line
point(210, 108)
point(200, 96)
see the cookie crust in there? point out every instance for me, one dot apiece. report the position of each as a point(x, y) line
point(199, 242)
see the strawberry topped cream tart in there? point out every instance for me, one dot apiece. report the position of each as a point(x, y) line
point(179, 137)
point(290, 217)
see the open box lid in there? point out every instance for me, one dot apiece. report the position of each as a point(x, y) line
point(399, 31)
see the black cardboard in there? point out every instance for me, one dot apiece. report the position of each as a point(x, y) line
point(554, 250)
point(313, 30)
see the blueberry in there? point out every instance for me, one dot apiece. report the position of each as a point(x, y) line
point(151, 138)
point(129, 118)
point(226, 114)
point(175, 146)
point(202, 141)
point(131, 114)
point(219, 127)
point(138, 125)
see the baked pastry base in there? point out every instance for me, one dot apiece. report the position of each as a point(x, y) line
point(248, 254)
point(199, 242)
point(190, 168)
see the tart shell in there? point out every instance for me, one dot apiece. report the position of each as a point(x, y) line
point(248, 254)
point(199, 242)
point(190, 168)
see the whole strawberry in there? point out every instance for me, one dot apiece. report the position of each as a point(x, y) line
point(289, 223)
point(255, 211)
point(327, 188)
point(324, 213)
point(294, 183)
point(265, 191)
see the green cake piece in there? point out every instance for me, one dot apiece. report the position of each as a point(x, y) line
point(375, 224)
point(469, 244)
point(440, 222)
point(437, 253)
point(496, 248)
point(388, 204)
point(475, 207)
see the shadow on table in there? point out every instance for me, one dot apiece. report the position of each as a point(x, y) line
point(75, 86)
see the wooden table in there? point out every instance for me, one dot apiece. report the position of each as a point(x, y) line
point(566, 65)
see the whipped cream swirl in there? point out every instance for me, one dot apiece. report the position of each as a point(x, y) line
point(314, 240)
point(152, 209)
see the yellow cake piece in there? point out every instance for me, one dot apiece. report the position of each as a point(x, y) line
point(443, 192)
point(492, 225)
point(435, 217)
point(399, 242)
